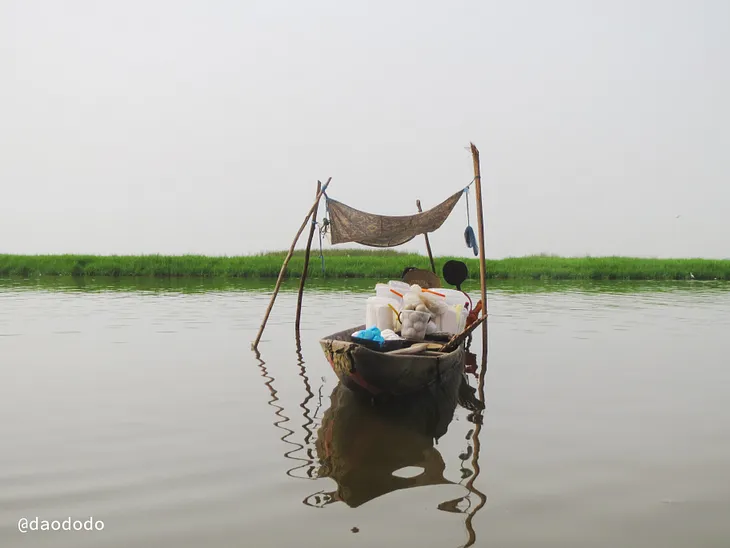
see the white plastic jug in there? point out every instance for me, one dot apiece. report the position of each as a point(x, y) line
point(387, 292)
point(380, 315)
point(453, 296)
point(400, 287)
point(452, 319)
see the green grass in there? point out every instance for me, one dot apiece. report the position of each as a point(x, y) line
point(361, 264)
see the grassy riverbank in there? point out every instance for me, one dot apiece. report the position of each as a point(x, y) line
point(361, 264)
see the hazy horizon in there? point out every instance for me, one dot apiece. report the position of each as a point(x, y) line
point(187, 127)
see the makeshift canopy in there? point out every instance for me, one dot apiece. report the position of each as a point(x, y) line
point(348, 224)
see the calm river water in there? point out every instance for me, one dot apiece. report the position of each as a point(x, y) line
point(140, 404)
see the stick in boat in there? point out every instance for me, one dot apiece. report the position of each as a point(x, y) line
point(482, 262)
point(306, 265)
point(456, 340)
point(428, 244)
point(255, 344)
point(415, 349)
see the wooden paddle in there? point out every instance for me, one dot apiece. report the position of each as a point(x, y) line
point(415, 349)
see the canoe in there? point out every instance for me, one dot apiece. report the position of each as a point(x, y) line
point(384, 374)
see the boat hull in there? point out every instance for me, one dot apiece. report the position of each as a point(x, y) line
point(382, 375)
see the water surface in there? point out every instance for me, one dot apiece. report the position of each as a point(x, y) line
point(140, 403)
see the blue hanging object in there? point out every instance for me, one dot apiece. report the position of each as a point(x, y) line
point(469, 237)
point(471, 240)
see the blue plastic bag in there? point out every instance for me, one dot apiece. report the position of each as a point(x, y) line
point(372, 334)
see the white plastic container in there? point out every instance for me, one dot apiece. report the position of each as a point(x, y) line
point(400, 287)
point(386, 292)
point(414, 324)
point(453, 296)
point(431, 327)
point(380, 315)
point(454, 319)
point(449, 321)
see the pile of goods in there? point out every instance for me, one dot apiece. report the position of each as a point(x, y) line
point(400, 311)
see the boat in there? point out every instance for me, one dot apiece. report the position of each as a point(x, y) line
point(388, 374)
point(383, 373)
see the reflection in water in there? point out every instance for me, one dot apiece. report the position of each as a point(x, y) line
point(361, 446)
point(309, 421)
point(279, 412)
point(475, 465)
point(327, 286)
point(364, 448)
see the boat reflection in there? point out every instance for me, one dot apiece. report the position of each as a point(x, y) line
point(363, 446)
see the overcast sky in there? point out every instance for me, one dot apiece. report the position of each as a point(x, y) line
point(163, 126)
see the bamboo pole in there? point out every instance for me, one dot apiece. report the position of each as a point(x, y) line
point(428, 244)
point(255, 344)
point(306, 266)
point(482, 262)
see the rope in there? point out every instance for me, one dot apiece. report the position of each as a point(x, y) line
point(466, 191)
point(322, 231)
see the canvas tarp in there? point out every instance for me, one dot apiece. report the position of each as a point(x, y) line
point(348, 224)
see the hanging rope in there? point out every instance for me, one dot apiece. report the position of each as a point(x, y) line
point(468, 220)
point(322, 231)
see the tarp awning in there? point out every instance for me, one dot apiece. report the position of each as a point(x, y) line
point(348, 224)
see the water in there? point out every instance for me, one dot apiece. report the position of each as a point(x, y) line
point(141, 404)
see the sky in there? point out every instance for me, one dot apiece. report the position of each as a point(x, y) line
point(173, 127)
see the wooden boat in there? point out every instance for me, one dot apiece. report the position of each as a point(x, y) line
point(385, 374)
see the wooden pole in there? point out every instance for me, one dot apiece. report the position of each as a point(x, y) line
point(255, 344)
point(306, 265)
point(482, 262)
point(428, 244)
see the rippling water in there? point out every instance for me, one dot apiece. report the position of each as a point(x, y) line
point(142, 405)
